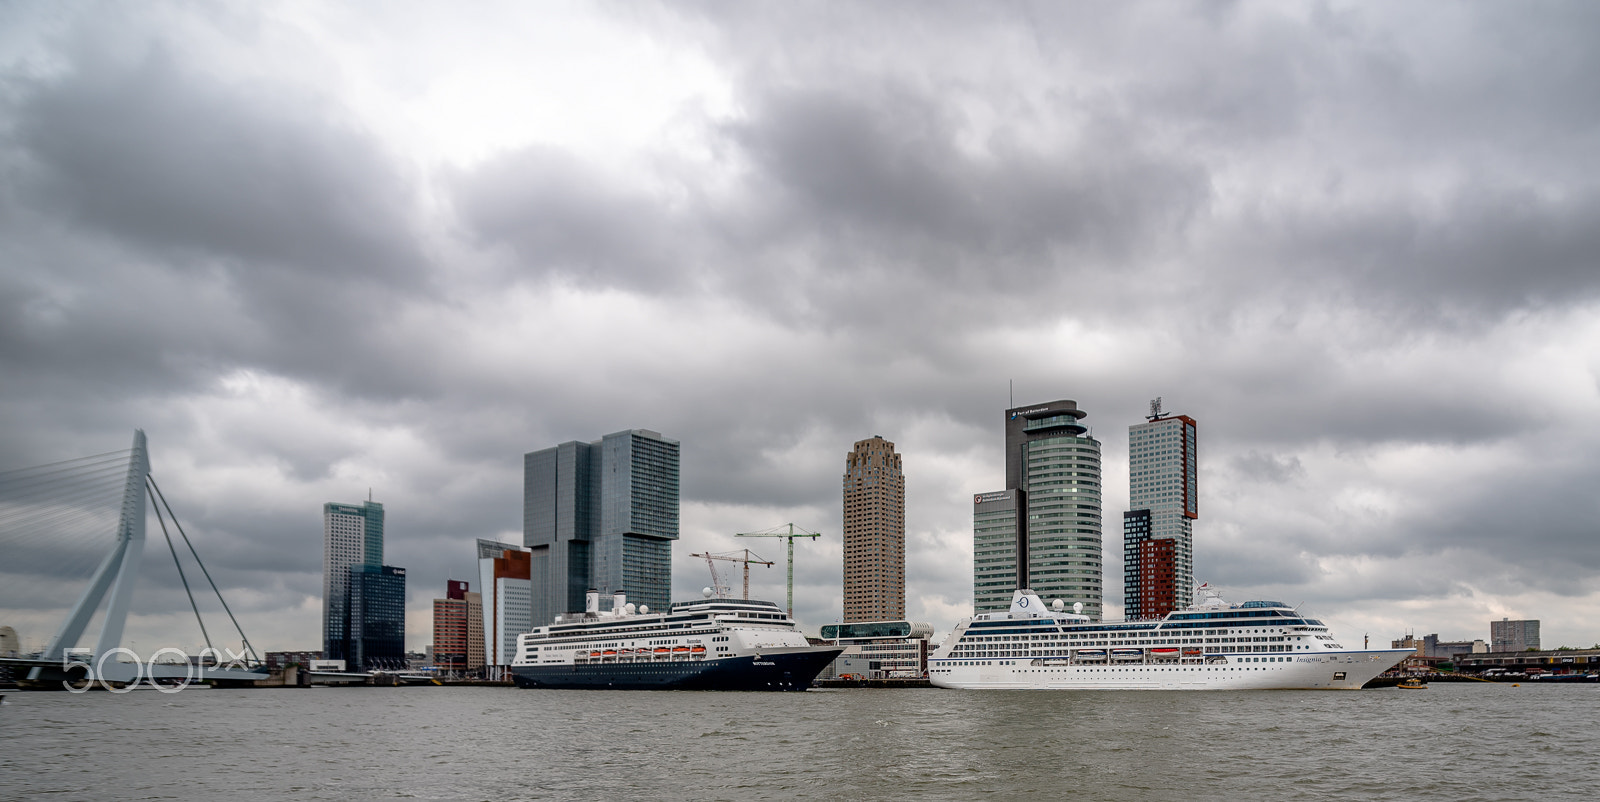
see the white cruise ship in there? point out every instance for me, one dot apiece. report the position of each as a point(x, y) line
point(1213, 646)
point(710, 644)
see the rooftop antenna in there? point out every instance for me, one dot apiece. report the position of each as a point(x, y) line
point(1155, 408)
point(1011, 392)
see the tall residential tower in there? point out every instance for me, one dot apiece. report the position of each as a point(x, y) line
point(1043, 531)
point(874, 533)
point(601, 516)
point(1164, 497)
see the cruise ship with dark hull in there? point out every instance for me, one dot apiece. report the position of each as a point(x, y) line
point(711, 644)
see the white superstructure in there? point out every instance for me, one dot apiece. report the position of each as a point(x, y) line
point(1213, 646)
point(707, 630)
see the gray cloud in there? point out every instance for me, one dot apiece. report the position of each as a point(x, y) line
point(1356, 243)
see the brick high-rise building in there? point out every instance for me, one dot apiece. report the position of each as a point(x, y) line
point(1163, 484)
point(874, 533)
point(450, 628)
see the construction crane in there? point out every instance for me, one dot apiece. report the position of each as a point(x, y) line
point(791, 532)
point(749, 557)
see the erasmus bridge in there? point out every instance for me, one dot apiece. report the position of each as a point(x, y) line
point(43, 510)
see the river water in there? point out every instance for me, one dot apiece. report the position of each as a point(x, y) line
point(1464, 741)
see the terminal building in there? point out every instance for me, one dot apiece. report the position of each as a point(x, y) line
point(1558, 662)
point(879, 650)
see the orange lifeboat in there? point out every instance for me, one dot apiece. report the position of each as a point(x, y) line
point(680, 650)
point(662, 650)
point(697, 650)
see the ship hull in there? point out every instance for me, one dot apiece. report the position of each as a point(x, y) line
point(790, 670)
point(1347, 670)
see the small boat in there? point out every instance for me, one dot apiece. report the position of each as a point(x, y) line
point(1412, 684)
point(1191, 652)
point(1126, 654)
point(663, 650)
point(697, 649)
point(680, 650)
point(1162, 652)
point(593, 655)
point(1092, 654)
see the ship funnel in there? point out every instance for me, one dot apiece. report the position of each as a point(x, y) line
point(591, 601)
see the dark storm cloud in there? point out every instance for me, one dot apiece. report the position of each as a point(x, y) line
point(163, 156)
point(1317, 229)
point(1464, 261)
point(169, 223)
point(881, 166)
point(562, 217)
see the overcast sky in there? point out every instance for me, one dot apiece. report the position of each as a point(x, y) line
point(313, 249)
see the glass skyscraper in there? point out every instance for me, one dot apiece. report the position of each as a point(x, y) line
point(1052, 507)
point(601, 515)
point(352, 537)
point(377, 618)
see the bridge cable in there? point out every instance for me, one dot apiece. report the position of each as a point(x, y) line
point(187, 542)
point(181, 576)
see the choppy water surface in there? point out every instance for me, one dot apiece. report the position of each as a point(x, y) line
point(1452, 741)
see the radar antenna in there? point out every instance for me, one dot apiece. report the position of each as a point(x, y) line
point(1155, 408)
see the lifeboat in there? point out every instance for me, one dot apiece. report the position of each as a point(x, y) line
point(1191, 652)
point(593, 655)
point(663, 650)
point(1092, 654)
point(697, 650)
point(1164, 652)
point(610, 653)
point(1126, 654)
point(680, 650)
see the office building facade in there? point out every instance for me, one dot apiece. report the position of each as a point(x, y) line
point(1052, 506)
point(475, 650)
point(352, 536)
point(450, 628)
point(377, 618)
point(505, 573)
point(601, 516)
point(1507, 635)
point(1164, 492)
point(874, 533)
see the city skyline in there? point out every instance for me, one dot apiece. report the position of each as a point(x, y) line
point(314, 252)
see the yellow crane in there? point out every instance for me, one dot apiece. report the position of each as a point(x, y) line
point(791, 532)
point(720, 589)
